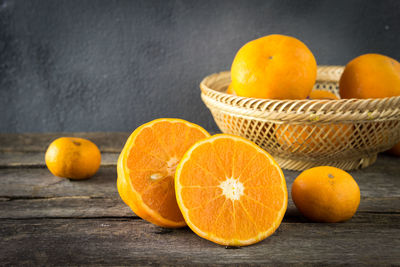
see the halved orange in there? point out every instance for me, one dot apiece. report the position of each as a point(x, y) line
point(230, 191)
point(146, 168)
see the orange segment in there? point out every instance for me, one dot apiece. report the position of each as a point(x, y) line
point(260, 194)
point(259, 213)
point(225, 156)
point(224, 220)
point(266, 177)
point(242, 219)
point(208, 167)
point(199, 171)
point(210, 208)
point(146, 168)
point(241, 160)
point(230, 191)
point(200, 196)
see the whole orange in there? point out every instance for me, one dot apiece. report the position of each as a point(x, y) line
point(312, 138)
point(72, 157)
point(370, 76)
point(395, 150)
point(326, 194)
point(274, 67)
point(230, 90)
point(322, 94)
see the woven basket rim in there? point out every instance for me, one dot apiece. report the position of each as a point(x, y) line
point(301, 110)
point(203, 86)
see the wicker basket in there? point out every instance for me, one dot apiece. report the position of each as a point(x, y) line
point(346, 133)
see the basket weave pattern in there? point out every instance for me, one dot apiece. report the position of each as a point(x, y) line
point(345, 133)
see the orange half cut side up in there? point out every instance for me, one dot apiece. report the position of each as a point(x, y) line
point(230, 191)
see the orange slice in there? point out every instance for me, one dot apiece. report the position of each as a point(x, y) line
point(230, 191)
point(146, 168)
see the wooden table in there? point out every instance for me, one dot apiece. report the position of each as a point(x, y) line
point(46, 220)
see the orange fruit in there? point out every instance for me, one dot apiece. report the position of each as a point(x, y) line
point(230, 191)
point(275, 67)
point(370, 76)
point(293, 137)
point(313, 137)
point(72, 157)
point(395, 150)
point(326, 194)
point(322, 94)
point(230, 90)
point(146, 168)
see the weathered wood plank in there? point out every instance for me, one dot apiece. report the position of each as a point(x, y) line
point(378, 182)
point(32, 193)
point(135, 242)
point(370, 210)
point(36, 159)
point(386, 167)
point(38, 142)
point(50, 220)
point(64, 207)
point(41, 183)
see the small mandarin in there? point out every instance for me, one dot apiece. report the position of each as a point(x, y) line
point(326, 194)
point(370, 76)
point(72, 157)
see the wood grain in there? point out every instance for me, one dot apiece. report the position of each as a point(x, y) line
point(64, 207)
point(370, 210)
point(38, 142)
point(31, 193)
point(135, 242)
point(46, 220)
point(378, 182)
point(39, 182)
point(36, 159)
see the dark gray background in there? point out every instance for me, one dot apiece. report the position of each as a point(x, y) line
point(112, 65)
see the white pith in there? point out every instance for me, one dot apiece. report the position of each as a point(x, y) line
point(170, 169)
point(232, 188)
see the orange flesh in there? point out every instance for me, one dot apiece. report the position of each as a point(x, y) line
point(259, 191)
point(150, 169)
